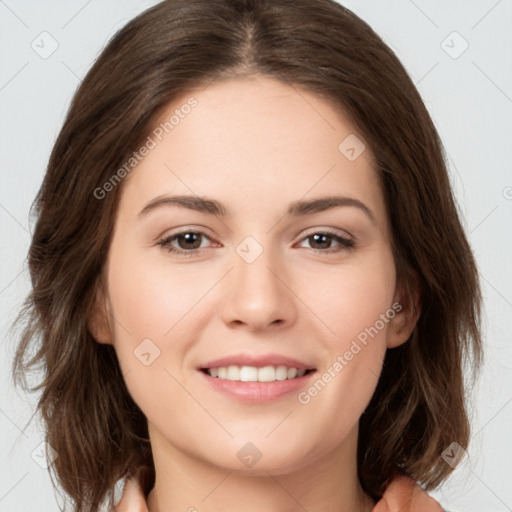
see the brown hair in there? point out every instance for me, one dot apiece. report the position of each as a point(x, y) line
point(418, 408)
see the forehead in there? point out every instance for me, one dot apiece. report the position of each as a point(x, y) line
point(255, 139)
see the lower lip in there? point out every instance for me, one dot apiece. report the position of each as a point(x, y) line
point(258, 392)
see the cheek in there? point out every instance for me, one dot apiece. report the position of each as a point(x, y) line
point(355, 306)
point(149, 300)
point(150, 308)
point(349, 299)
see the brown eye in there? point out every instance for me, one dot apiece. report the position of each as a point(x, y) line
point(186, 243)
point(322, 242)
point(189, 240)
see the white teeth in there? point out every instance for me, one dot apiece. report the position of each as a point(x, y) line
point(233, 373)
point(292, 372)
point(254, 374)
point(247, 374)
point(267, 374)
point(281, 372)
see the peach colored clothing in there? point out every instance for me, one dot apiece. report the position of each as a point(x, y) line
point(405, 495)
point(402, 495)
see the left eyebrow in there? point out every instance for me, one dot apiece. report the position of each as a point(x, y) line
point(295, 209)
point(321, 204)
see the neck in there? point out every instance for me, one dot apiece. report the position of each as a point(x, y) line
point(186, 483)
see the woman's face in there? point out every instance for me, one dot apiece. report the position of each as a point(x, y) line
point(251, 277)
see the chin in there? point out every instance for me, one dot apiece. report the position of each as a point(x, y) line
point(261, 457)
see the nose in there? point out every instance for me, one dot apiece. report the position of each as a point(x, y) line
point(257, 295)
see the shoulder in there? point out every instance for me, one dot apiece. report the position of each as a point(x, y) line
point(404, 493)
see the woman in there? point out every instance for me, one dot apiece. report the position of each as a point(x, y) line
point(251, 283)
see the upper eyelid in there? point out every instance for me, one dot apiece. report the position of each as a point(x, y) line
point(170, 233)
point(173, 236)
point(331, 231)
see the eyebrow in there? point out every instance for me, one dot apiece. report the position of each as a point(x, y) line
point(295, 209)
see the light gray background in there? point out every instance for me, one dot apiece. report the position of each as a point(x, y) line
point(469, 97)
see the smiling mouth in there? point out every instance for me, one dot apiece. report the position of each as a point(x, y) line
point(256, 374)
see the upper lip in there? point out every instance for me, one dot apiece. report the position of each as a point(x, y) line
point(256, 360)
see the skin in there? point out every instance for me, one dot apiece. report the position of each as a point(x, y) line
point(255, 145)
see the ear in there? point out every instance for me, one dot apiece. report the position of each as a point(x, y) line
point(407, 305)
point(98, 321)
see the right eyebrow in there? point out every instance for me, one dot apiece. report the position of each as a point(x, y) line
point(200, 204)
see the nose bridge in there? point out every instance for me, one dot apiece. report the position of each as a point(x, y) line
point(257, 296)
point(253, 265)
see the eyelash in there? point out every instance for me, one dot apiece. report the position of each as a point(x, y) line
point(344, 243)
